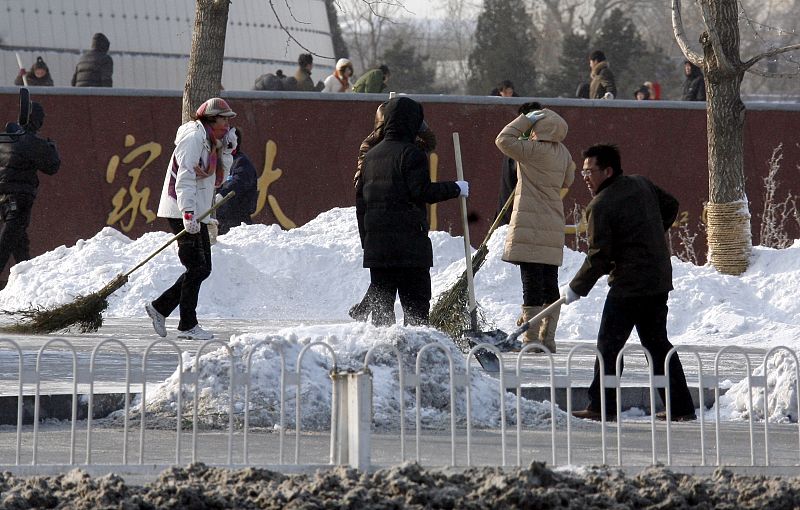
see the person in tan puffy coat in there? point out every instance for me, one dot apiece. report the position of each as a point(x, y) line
point(535, 239)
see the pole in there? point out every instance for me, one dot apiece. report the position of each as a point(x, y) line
point(24, 76)
point(472, 306)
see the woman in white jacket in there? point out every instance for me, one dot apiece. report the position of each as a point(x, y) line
point(199, 164)
point(339, 81)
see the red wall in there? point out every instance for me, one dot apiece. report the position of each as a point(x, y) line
point(316, 140)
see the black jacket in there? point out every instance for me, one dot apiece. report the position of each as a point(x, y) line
point(21, 157)
point(508, 183)
point(244, 182)
point(393, 190)
point(626, 225)
point(95, 67)
point(694, 86)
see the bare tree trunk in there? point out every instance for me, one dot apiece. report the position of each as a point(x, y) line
point(725, 122)
point(204, 72)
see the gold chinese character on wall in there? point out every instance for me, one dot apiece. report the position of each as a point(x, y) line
point(268, 177)
point(129, 200)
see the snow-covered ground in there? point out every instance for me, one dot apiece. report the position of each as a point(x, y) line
point(313, 274)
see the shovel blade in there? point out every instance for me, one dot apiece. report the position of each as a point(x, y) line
point(488, 360)
point(496, 337)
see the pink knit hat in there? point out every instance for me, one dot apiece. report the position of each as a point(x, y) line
point(215, 107)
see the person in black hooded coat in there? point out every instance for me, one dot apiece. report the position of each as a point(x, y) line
point(392, 194)
point(22, 156)
point(95, 67)
point(694, 86)
point(243, 180)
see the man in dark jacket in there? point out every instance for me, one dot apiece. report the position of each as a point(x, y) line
point(22, 156)
point(602, 84)
point(301, 81)
point(694, 86)
point(95, 66)
point(393, 190)
point(627, 219)
point(244, 182)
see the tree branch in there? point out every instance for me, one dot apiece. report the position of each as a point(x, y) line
point(291, 37)
point(722, 60)
point(680, 36)
point(767, 54)
point(766, 74)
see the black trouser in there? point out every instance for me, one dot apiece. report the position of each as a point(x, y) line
point(364, 307)
point(15, 211)
point(413, 284)
point(649, 315)
point(539, 283)
point(194, 251)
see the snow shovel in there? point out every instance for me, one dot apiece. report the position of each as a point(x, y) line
point(487, 359)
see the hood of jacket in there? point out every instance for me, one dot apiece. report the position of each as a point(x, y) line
point(552, 128)
point(100, 42)
point(402, 118)
point(190, 129)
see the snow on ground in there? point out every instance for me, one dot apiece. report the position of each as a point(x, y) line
point(314, 274)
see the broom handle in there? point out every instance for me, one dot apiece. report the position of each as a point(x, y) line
point(467, 247)
point(181, 233)
point(536, 318)
point(497, 220)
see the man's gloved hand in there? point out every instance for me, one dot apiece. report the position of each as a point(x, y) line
point(463, 186)
point(535, 116)
point(569, 295)
point(608, 95)
point(22, 71)
point(190, 224)
point(218, 198)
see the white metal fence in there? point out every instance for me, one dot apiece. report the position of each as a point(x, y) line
point(351, 435)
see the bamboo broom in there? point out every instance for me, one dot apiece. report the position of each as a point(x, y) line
point(85, 311)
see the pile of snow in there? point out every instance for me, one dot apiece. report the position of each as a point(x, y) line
point(350, 344)
point(314, 274)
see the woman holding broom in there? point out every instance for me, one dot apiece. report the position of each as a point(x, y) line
point(199, 164)
point(535, 239)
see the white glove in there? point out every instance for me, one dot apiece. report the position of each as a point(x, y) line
point(190, 224)
point(569, 295)
point(535, 115)
point(218, 198)
point(463, 186)
point(608, 95)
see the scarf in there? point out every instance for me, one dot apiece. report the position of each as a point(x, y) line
point(344, 80)
point(213, 158)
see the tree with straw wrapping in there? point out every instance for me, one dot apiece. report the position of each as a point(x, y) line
point(727, 212)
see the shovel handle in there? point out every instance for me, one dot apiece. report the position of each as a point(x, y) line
point(512, 337)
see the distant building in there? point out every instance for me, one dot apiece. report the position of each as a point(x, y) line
point(151, 39)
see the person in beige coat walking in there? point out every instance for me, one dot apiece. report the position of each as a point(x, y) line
point(535, 239)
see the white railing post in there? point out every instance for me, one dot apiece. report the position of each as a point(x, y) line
point(352, 427)
point(359, 418)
